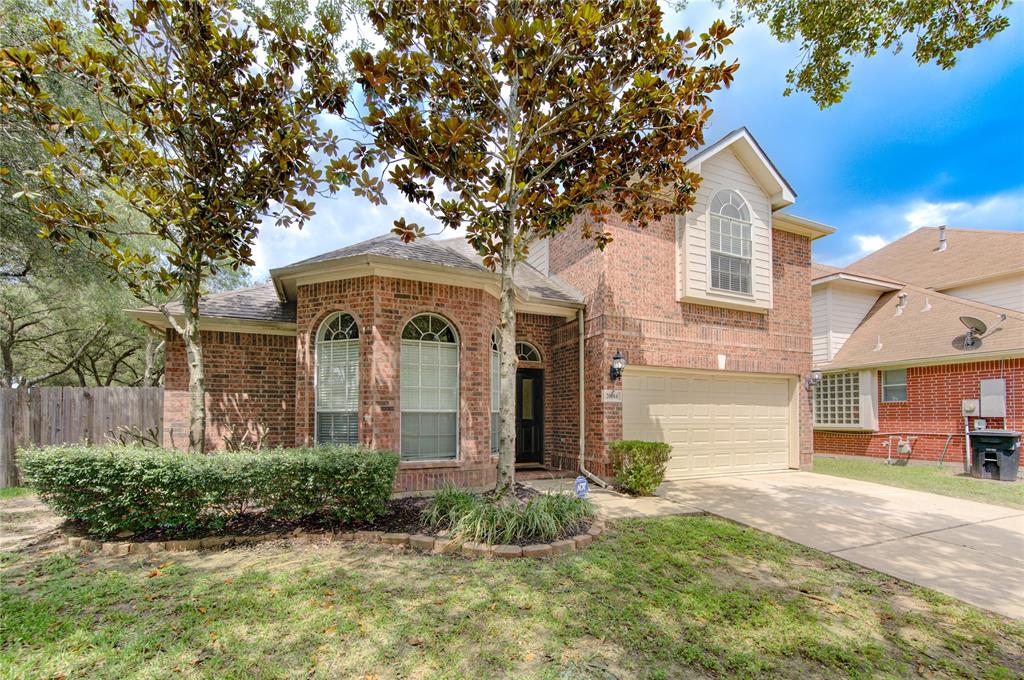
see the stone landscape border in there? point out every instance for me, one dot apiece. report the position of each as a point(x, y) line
point(418, 542)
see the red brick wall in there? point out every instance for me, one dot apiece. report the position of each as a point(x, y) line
point(267, 380)
point(383, 306)
point(632, 306)
point(932, 411)
point(250, 384)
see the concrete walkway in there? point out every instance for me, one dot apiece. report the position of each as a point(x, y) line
point(972, 551)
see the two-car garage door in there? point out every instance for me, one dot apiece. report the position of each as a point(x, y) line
point(717, 423)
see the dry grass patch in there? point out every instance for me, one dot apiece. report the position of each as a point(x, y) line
point(678, 597)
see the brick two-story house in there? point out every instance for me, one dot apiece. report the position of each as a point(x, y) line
point(392, 344)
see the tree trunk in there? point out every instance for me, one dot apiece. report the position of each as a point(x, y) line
point(196, 380)
point(508, 365)
point(153, 343)
point(6, 366)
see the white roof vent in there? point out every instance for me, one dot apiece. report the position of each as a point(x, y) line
point(942, 238)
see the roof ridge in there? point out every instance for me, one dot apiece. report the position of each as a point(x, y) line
point(966, 301)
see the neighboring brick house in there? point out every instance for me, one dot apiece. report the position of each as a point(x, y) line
point(896, 363)
point(391, 344)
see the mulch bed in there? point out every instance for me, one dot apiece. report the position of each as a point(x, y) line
point(402, 516)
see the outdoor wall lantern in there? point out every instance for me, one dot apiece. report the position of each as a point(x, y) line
point(813, 379)
point(618, 363)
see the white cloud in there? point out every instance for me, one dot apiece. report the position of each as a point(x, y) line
point(869, 243)
point(999, 211)
point(872, 227)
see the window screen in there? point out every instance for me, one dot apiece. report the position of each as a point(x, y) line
point(731, 245)
point(337, 381)
point(429, 389)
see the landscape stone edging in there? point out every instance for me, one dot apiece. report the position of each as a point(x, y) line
point(418, 542)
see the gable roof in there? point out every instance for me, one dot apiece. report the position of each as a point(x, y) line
point(928, 329)
point(756, 161)
point(823, 273)
point(970, 255)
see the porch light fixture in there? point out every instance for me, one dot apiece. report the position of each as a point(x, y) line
point(813, 379)
point(618, 364)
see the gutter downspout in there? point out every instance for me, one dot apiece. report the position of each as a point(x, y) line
point(583, 411)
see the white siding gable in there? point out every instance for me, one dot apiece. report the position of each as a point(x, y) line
point(538, 256)
point(693, 276)
point(837, 309)
point(1006, 291)
point(819, 325)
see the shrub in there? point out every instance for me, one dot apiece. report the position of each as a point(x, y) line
point(447, 506)
point(639, 466)
point(507, 520)
point(116, 489)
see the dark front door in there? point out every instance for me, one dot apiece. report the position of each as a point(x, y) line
point(529, 415)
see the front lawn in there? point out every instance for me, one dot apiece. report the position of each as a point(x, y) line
point(687, 597)
point(949, 480)
point(15, 492)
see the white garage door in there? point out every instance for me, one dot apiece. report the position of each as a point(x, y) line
point(716, 423)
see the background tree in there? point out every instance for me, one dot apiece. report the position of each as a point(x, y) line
point(832, 32)
point(531, 113)
point(204, 127)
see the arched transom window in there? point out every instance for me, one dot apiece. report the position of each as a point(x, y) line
point(730, 242)
point(429, 389)
point(337, 380)
point(527, 352)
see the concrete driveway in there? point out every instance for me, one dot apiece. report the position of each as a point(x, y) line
point(972, 551)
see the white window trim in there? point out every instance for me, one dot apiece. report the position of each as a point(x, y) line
point(458, 396)
point(904, 385)
point(316, 374)
point(531, 346)
point(711, 252)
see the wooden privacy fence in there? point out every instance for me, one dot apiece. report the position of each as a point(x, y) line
point(41, 416)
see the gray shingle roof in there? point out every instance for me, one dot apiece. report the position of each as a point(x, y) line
point(259, 303)
point(545, 287)
point(390, 245)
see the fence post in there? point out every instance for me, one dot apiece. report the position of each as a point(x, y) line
point(8, 441)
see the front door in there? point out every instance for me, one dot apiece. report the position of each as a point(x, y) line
point(529, 415)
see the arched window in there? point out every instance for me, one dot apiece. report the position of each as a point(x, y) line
point(430, 389)
point(495, 389)
point(337, 380)
point(730, 242)
point(527, 352)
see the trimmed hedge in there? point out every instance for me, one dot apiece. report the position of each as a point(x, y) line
point(116, 489)
point(639, 466)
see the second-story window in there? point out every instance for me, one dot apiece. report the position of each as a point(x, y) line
point(730, 243)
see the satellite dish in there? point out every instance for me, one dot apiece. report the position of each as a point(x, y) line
point(975, 326)
point(975, 329)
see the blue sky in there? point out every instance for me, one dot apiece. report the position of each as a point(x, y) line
point(909, 146)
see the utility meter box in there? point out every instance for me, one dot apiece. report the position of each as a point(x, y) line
point(969, 407)
point(993, 398)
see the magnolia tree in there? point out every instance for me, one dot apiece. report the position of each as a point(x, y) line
point(511, 119)
point(201, 129)
point(832, 33)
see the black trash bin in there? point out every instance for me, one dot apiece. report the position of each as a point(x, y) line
point(995, 454)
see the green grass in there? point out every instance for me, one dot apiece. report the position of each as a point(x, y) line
point(15, 491)
point(948, 480)
point(688, 597)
